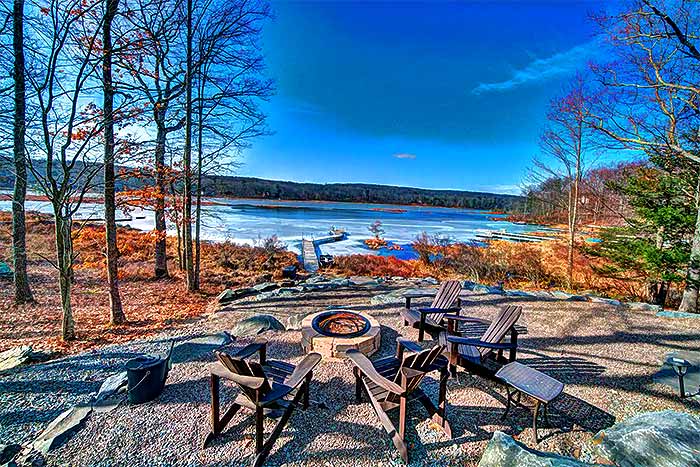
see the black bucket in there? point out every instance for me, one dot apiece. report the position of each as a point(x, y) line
point(146, 377)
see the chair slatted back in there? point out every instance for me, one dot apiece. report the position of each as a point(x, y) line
point(420, 362)
point(445, 298)
point(500, 326)
point(243, 367)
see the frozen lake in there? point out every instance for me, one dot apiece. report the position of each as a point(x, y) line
point(248, 221)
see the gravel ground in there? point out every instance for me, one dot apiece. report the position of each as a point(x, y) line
point(605, 356)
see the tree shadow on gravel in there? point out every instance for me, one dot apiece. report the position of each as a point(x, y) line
point(567, 413)
point(326, 418)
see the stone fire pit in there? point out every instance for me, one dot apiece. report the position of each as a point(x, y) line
point(332, 332)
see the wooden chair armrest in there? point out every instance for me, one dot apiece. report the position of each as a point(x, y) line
point(438, 310)
point(252, 382)
point(409, 373)
point(302, 369)
point(405, 344)
point(419, 295)
point(466, 319)
point(479, 343)
point(365, 366)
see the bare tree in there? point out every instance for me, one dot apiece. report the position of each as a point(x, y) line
point(187, 159)
point(23, 293)
point(63, 75)
point(230, 84)
point(155, 65)
point(116, 313)
point(567, 141)
point(652, 100)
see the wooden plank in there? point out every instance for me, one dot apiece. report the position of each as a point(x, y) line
point(309, 257)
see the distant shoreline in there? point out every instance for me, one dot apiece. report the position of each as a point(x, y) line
point(320, 201)
point(96, 197)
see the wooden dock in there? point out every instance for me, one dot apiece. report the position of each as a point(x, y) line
point(513, 237)
point(310, 251)
point(308, 255)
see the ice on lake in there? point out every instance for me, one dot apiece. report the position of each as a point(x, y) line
point(250, 221)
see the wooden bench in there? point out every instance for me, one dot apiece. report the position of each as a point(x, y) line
point(523, 379)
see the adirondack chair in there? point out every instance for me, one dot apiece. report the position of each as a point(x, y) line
point(390, 382)
point(484, 355)
point(431, 319)
point(269, 388)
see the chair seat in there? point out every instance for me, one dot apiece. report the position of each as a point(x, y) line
point(413, 317)
point(388, 367)
point(468, 352)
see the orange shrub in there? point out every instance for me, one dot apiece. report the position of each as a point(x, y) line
point(374, 265)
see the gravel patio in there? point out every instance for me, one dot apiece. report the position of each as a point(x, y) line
point(605, 355)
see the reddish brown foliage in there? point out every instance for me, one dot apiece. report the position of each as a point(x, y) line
point(150, 306)
point(373, 265)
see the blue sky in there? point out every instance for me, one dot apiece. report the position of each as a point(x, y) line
point(425, 94)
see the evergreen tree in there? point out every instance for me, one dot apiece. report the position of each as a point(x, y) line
point(654, 246)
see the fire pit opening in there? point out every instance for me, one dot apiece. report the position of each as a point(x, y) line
point(340, 323)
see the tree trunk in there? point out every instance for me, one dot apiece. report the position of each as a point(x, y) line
point(116, 313)
point(198, 212)
point(23, 293)
point(198, 208)
point(689, 303)
point(658, 291)
point(64, 257)
point(187, 161)
point(161, 259)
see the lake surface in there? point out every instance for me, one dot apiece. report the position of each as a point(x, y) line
point(250, 221)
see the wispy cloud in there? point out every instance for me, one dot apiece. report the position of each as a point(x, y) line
point(404, 155)
point(541, 69)
point(504, 189)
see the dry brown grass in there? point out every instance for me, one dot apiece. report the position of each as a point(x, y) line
point(149, 305)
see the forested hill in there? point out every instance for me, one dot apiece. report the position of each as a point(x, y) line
point(246, 187)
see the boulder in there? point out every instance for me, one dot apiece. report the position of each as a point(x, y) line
point(364, 281)
point(543, 294)
point(8, 452)
point(14, 357)
point(390, 298)
point(107, 405)
point(518, 293)
point(659, 439)
point(293, 322)
point(603, 300)
point(676, 314)
point(264, 287)
point(60, 428)
point(469, 285)
point(430, 281)
point(256, 324)
point(504, 451)
point(487, 289)
point(267, 295)
point(559, 295)
point(286, 293)
point(199, 347)
point(112, 385)
point(316, 279)
point(27, 457)
point(496, 290)
point(230, 295)
point(641, 306)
